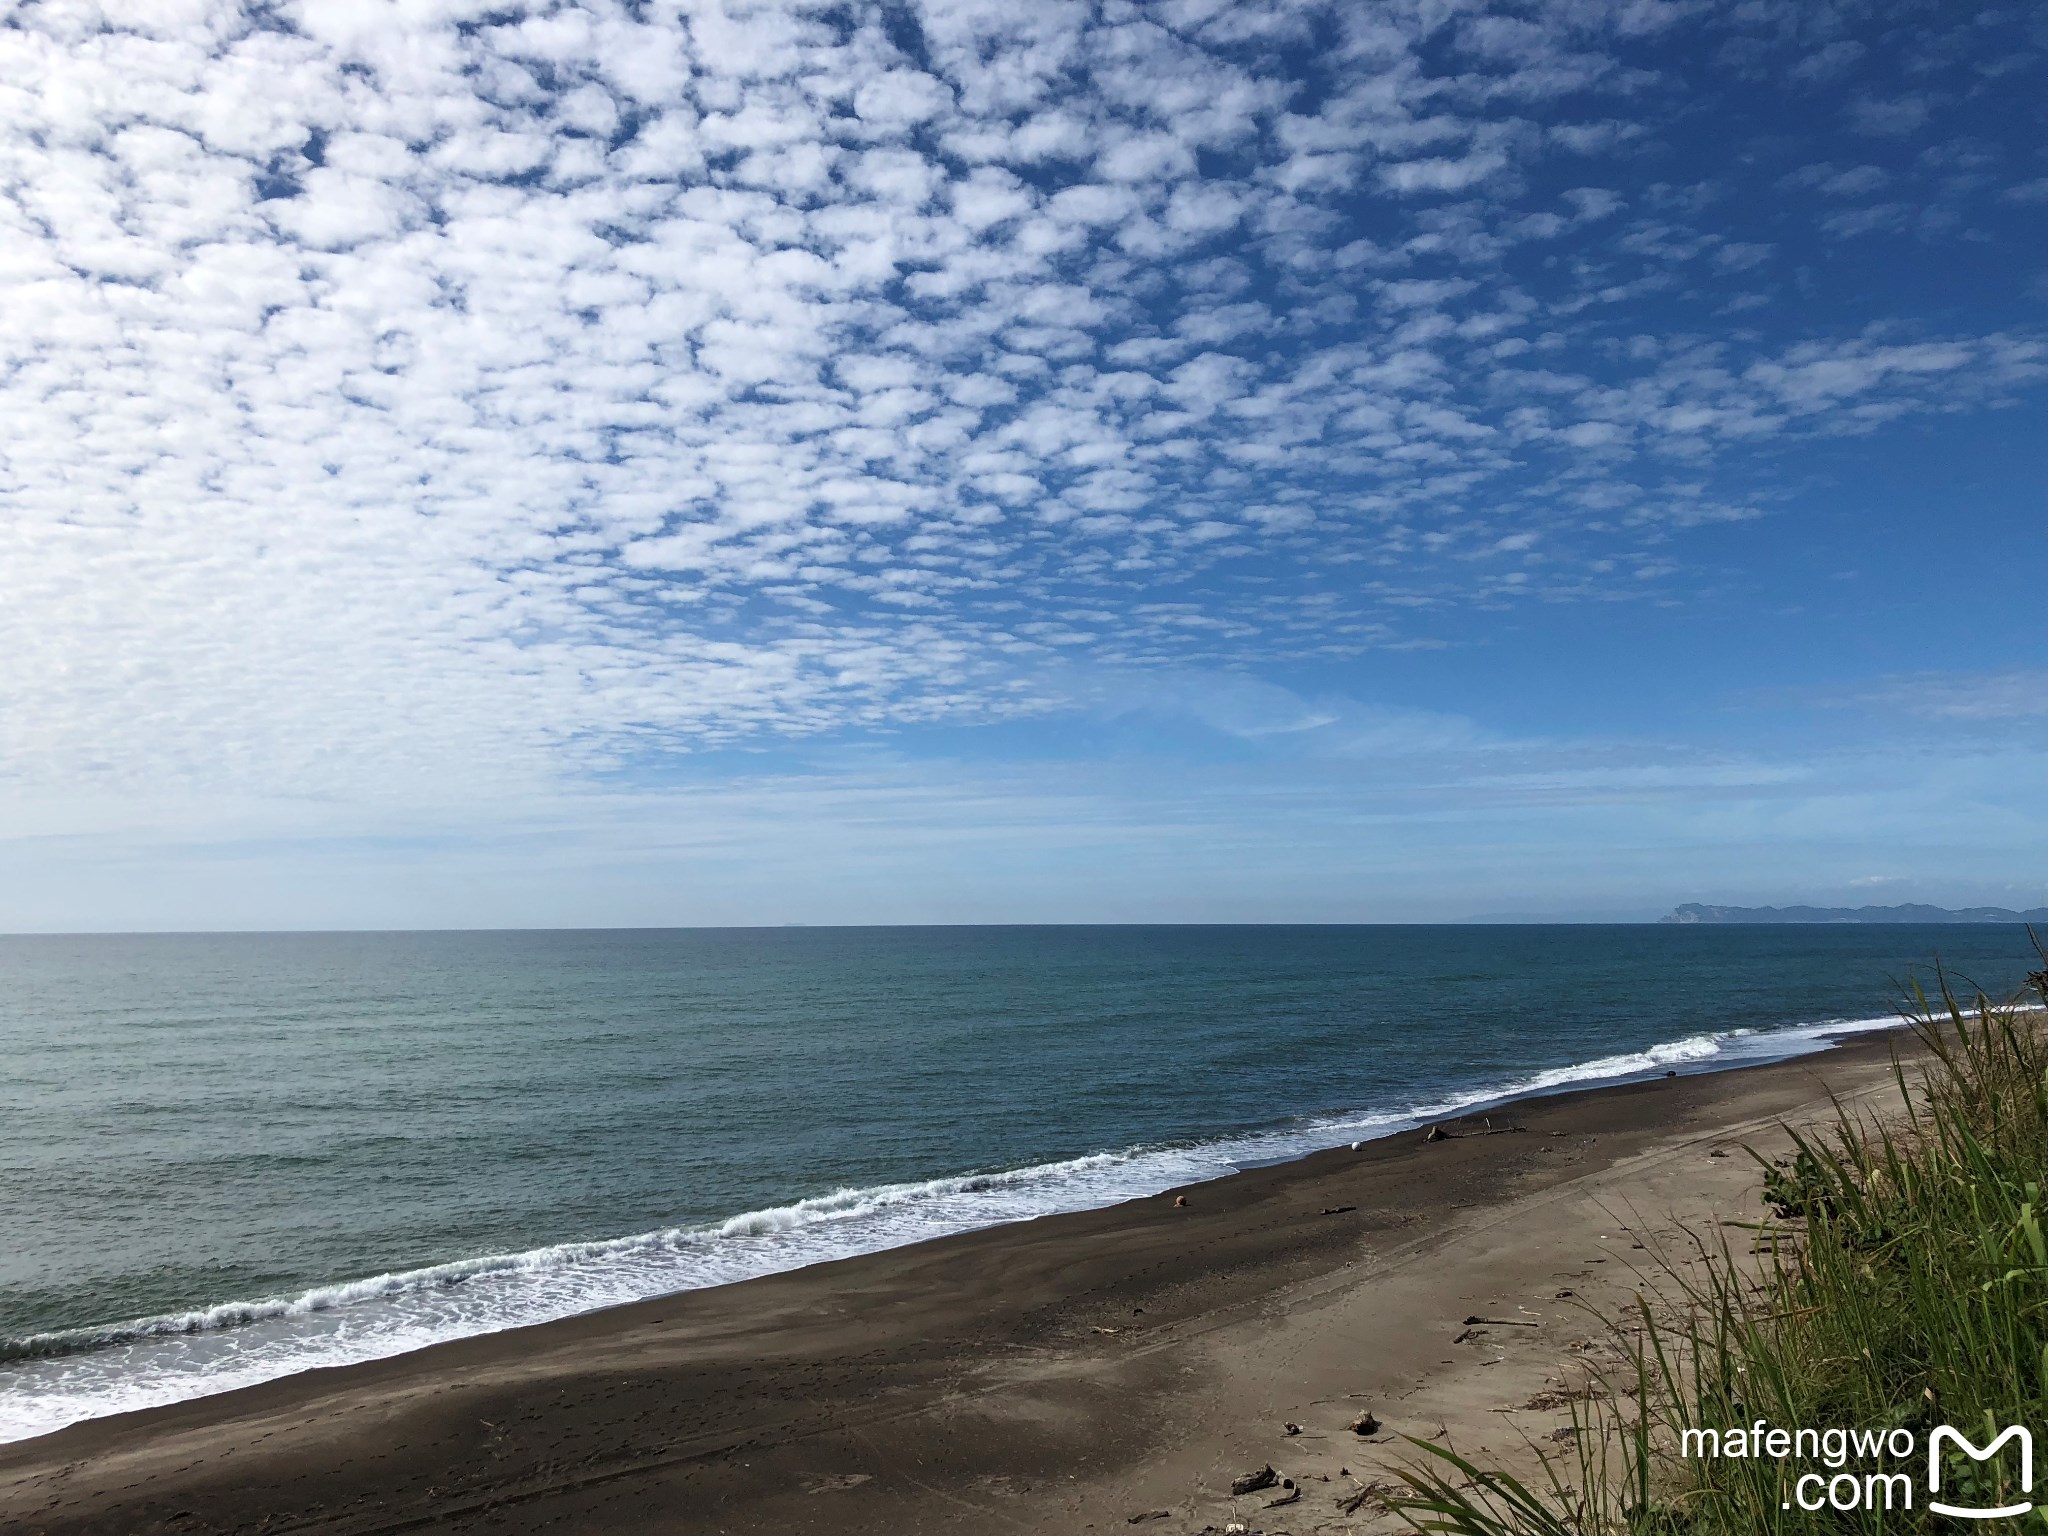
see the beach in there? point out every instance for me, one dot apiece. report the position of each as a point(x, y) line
point(871, 768)
point(1080, 1371)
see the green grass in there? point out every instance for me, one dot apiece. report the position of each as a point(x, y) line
point(1909, 1290)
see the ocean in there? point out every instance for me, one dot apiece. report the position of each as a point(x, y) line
point(227, 1158)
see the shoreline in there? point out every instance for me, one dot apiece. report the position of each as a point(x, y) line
point(259, 1322)
point(1013, 1369)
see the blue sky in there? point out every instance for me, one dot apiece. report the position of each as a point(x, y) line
point(981, 462)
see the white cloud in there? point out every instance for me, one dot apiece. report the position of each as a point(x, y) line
point(2005, 697)
point(899, 98)
point(1889, 118)
point(399, 402)
point(1441, 174)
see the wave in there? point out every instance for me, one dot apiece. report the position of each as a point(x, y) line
point(51, 1379)
point(837, 1206)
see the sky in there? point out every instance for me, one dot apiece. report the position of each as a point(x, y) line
point(640, 464)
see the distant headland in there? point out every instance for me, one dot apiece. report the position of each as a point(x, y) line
point(1911, 912)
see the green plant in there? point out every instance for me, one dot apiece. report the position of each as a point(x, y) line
point(1901, 1282)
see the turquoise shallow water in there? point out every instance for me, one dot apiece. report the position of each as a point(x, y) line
point(225, 1158)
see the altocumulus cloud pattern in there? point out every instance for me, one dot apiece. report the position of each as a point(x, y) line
point(521, 389)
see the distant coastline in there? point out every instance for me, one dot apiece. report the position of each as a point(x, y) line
point(1911, 912)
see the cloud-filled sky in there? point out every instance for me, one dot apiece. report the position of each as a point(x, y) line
point(730, 462)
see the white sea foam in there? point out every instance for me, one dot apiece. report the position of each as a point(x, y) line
point(60, 1378)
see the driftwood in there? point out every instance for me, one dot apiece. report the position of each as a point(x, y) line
point(1354, 1501)
point(1438, 1133)
point(1252, 1482)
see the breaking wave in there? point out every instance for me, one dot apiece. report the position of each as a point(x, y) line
point(52, 1379)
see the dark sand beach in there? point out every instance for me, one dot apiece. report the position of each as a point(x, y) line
point(1104, 1370)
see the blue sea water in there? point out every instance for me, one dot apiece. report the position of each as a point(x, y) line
point(225, 1158)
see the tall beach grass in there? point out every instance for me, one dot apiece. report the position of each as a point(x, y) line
point(1896, 1279)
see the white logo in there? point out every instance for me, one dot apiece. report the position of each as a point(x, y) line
point(2009, 1511)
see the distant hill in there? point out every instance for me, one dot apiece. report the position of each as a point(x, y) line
point(1912, 912)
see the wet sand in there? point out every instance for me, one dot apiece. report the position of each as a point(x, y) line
point(1104, 1370)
